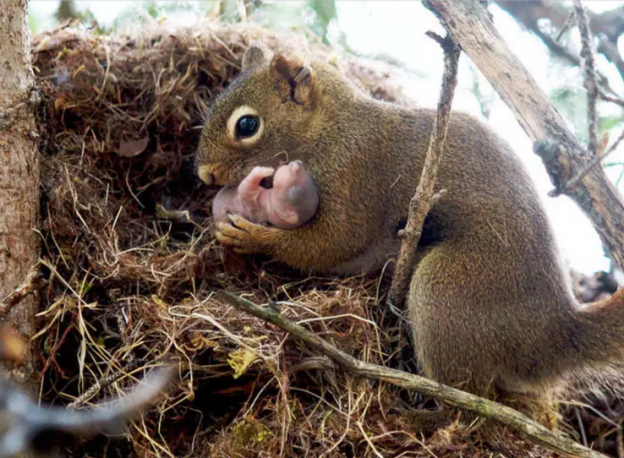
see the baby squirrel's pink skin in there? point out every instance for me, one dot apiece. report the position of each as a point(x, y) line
point(291, 201)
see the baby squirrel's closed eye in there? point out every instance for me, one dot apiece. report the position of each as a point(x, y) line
point(295, 194)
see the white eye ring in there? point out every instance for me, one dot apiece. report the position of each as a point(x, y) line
point(244, 110)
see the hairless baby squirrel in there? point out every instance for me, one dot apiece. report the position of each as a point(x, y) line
point(291, 201)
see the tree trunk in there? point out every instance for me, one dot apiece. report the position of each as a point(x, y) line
point(19, 177)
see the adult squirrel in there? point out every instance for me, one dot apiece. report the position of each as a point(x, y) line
point(489, 300)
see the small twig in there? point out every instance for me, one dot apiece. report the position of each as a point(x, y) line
point(597, 159)
point(619, 441)
point(607, 46)
point(552, 43)
point(581, 427)
point(99, 385)
point(457, 398)
point(593, 409)
point(422, 201)
point(52, 357)
point(564, 28)
point(610, 98)
point(319, 363)
point(590, 84)
point(32, 283)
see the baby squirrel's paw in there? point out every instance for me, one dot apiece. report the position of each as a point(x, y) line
point(244, 236)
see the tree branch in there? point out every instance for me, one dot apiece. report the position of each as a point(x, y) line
point(560, 151)
point(609, 25)
point(424, 198)
point(32, 283)
point(609, 49)
point(589, 70)
point(452, 396)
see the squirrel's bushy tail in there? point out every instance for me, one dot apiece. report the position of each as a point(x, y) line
point(597, 335)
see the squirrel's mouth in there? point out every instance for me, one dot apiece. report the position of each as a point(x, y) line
point(267, 182)
point(239, 175)
point(221, 175)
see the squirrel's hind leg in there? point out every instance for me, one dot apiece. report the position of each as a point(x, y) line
point(464, 341)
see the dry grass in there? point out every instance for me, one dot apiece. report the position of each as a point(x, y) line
point(132, 262)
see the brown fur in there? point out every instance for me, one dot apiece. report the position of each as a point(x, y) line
point(489, 300)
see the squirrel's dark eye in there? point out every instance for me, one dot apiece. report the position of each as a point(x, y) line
point(247, 126)
point(244, 125)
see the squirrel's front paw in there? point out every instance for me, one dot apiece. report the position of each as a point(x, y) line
point(244, 236)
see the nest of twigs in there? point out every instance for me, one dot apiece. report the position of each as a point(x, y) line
point(129, 251)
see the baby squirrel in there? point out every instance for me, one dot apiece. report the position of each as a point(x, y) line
point(489, 300)
point(288, 204)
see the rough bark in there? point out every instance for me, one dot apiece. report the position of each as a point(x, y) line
point(19, 176)
point(564, 158)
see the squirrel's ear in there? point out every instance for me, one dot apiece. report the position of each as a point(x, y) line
point(256, 55)
point(295, 77)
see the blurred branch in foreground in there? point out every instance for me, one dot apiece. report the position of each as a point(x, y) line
point(28, 420)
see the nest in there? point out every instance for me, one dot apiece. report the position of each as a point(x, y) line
point(129, 250)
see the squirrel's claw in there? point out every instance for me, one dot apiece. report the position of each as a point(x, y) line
point(244, 236)
point(224, 236)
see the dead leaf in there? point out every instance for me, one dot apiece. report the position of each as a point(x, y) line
point(132, 148)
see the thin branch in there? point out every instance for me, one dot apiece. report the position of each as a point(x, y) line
point(593, 163)
point(319, 363)
point(422, 201)
point(32, 283)
point(452, 396)
point(100, 384)
point(581, 427)
point(564, 28)
point(587, 57)
point(607, 46)
point(610, 98)
point(529, 12)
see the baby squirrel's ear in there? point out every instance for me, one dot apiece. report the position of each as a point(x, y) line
point(256, 55)
point(294, 77)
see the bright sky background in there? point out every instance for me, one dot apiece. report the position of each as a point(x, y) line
point(397, 29)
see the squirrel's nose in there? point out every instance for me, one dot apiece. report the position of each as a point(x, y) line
point(209, 179)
